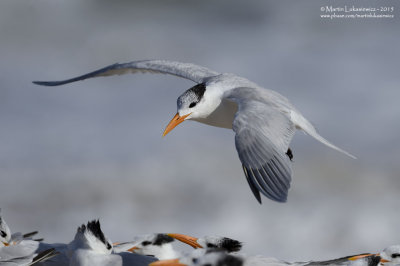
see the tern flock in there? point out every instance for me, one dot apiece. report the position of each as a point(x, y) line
point(264, 123)
point(90, 246)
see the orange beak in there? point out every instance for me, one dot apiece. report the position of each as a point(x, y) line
point(173, 262)
point(133, 249)
point(382, 260)
point(190, 240)
point(6, 244)
point(174, 122)
point(361, 256)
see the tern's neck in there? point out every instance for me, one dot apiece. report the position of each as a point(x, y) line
point(222, 116)
point(167, 252)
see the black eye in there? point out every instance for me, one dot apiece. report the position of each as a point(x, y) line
point(193, 104)
point(109, 246)
point(395, 255)
point(3, 234)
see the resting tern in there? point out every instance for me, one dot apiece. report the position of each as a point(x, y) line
point(215, 257)
point(5, 232)
point(217, 242)
point(391, 255)
point(19, 249)
point(264, 121)
point(157, 245)
point(91, 247)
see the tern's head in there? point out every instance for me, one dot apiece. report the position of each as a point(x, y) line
point(210, 242)
point(5, 232)
point(91, 237)
point(157, 245)
point(195, 103)
point(391, 255)
point(224, 243)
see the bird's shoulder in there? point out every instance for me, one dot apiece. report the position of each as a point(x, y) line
point(242, 91)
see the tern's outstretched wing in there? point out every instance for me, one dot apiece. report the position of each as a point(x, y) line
point(184, 70)
point(263, 134)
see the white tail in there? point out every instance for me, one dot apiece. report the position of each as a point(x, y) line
point(307, 127)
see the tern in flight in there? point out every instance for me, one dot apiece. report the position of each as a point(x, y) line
point(264, 121)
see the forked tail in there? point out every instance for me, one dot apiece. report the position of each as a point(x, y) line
point(307, 127)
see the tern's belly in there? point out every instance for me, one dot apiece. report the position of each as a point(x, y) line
point(222, 116)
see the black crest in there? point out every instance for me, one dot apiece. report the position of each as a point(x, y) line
point(230, 245)
point(95, 229)
point(192, 95)
point(162, 239)
point(199, 90)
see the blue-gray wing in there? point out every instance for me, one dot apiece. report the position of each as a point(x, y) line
point(189, 71)
point(263, 134)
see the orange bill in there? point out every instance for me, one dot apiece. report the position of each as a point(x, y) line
point(174, 122)
point(173, 262)
point(132, 249)
point(382, 260)
point(190, 240)
point(361, 256)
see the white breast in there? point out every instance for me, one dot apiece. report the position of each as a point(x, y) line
point(222, 116)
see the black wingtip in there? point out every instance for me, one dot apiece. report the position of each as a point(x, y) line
point(30, 234)
point(45, 255)
point(268, 184)
point(48, 83)
point(93, 74)
point(258, 197)
point(253, 188)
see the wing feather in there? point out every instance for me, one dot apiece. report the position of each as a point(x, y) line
point(253, 186)
point(263, 134)
point(189, 71)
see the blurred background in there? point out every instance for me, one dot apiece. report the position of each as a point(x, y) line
point(93, 149)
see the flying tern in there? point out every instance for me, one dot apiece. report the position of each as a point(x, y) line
point(264, 121)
